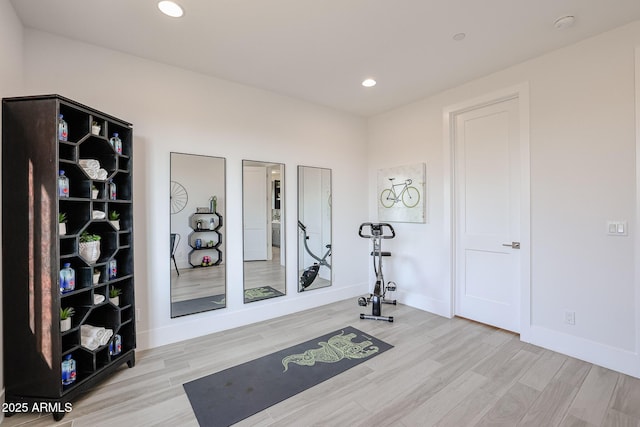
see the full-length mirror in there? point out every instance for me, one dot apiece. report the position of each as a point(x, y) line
point(314, 228)
point(197, 239)
point(263, 230)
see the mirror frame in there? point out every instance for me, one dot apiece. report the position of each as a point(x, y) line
point(221, 230)
point(272, 202)
point(324, 257)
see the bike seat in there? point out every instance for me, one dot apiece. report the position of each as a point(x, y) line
point(383, 253)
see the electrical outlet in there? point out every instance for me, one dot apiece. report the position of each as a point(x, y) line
point(570, 317)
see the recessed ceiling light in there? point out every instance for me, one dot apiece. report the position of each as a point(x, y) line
point(368, 83)
point(460, 36)
point(171, 9)
point(564, 22)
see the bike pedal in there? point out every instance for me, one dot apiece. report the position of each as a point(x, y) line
point(362, 301)
point(391, 286)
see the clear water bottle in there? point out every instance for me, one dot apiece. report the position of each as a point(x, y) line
point(68, 370)
point(112, 190)
point(115, 346)
point(113, 269)
point(67, 278)
point(63, 129)
point(63, 184)
point(116, 143)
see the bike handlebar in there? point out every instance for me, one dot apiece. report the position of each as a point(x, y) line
point(376, 230)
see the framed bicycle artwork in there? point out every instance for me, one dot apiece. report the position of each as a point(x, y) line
point(401, 193)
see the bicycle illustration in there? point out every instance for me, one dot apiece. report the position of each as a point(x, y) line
point(409, 195)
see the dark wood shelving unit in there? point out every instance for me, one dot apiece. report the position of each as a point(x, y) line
point(33, 251)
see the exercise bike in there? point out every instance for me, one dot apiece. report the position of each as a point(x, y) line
point(377, 232)
point(311, 272)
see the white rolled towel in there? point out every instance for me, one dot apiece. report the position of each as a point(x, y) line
point(92, 337)
point(102, 174)
point(91, 173)
point(97, 298)
point(92, 164)
point(108, 333)
point(89, 343)
point(98, 215)
point(89, 336)
point(91, 331)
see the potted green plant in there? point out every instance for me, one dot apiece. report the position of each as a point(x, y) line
point(65, 318)
point(94, 192)
point(114, 219)
point(96, 276)
point(114, 295)
point(62, 223)
point(95, 128)
point(89, 247)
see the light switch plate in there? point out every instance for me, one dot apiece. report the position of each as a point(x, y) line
point(617, 228)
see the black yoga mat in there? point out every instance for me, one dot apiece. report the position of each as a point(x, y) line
point(229, 396)
point(197, 305)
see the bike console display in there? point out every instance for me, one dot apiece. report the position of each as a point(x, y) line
point(380, 229)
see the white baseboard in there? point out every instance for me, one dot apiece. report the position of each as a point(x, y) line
point(421, 302)
point(221, 320)
point(617, 359)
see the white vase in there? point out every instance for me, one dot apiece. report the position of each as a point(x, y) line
point(96, 278)
point(90, 250)
point(62, 226)
point(115, 300)
point(94, 194)
point(115, 223)
point(65, 324)
point(95, 130)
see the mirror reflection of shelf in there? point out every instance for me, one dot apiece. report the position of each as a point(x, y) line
point(205, 239)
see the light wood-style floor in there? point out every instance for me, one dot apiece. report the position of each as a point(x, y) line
point(195, 283)
point(266, 273)
point(442, 372)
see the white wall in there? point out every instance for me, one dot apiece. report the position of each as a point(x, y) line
point(10, 85)
point(583, 170)
point(176, 110)
point(582, 147)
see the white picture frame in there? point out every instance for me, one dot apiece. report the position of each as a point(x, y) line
point(401, 194)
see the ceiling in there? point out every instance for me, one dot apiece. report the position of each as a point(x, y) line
point(321, 50)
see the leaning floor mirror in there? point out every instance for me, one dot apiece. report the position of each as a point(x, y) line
point(263, 230)
point(197, 239)
point(314, 228)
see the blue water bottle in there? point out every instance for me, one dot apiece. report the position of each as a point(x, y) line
point(112, 190)
point(63, 129)
point(67, 278)
point(115, 346)
point(63, 184)
point(116, 143)
point(113, 269)
point(68, 370)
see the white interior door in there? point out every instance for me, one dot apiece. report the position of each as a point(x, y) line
point(487, 214)
point(255, 213)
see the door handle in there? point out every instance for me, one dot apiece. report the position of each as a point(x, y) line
point(513, 245)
